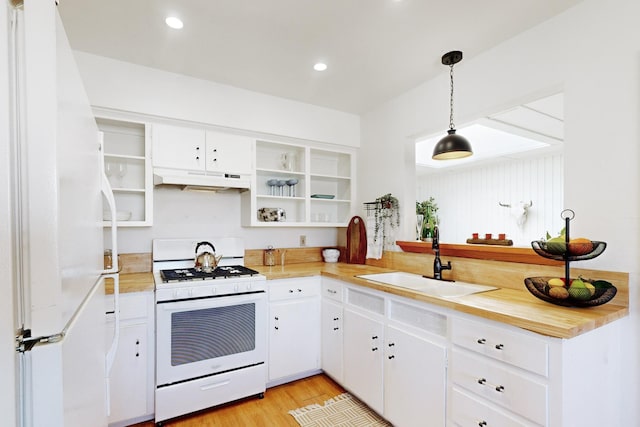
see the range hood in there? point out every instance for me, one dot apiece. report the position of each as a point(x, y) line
point(201, 181)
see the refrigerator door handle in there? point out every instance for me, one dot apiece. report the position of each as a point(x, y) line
point(108, 194)
point(25, 342)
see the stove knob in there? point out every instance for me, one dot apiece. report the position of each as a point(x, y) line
point(249, 286)
point(176, 293)
point(214, 290)
point(190, 292)
point(235, 287)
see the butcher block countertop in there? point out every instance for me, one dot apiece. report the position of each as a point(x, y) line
point(511, 306)
point(132, 282)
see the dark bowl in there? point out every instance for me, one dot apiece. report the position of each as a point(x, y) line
point(541, 248)
point(538, 287)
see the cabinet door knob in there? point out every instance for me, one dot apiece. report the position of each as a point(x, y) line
point(374, 349)
point(499, 346)
point(299, 290)
point(481, 341)
point(375, 337)
point(482, 381)
point(482, 424)
point(197, 148)
point(197, 157)
point(276, 328)
point(392, 357)
point(276, 318)
point(335, 329)
point(391, 344)
point(500, 389)
point(336, 318)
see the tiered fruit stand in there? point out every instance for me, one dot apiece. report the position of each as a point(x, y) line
point(538, 286)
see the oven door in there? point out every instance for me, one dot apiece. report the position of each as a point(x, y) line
point(200, 337)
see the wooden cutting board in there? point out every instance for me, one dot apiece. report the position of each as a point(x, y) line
point(356, 241)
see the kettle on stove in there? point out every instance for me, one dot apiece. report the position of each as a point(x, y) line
point(206, 261)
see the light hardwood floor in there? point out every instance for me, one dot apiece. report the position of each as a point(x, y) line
point(272, 411)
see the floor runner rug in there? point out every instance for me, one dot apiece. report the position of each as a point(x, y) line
point(341, 411)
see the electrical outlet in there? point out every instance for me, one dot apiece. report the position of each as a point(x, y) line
point(303, 240)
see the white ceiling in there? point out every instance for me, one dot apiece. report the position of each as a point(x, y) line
point(375, 49)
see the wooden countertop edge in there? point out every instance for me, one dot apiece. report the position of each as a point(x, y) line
point(513, 307)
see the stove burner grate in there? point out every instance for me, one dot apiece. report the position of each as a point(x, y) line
point(221, 272)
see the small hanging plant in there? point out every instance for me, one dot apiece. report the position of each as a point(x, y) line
point(387, 208)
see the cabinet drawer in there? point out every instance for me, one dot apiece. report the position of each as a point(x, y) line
point(501, 385)
point(518, 349)
point(332, 289)
point(365, 300)
point(208, 392)
point(294, 288)
point(468, 410)
point(132, 305)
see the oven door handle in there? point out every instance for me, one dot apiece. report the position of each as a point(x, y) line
point(209, 302)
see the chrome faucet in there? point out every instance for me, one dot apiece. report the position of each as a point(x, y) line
point(437, 264)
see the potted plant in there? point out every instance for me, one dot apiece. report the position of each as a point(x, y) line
point(429, 211)
point(387, 207)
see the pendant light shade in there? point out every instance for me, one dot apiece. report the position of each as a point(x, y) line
point(452, 146)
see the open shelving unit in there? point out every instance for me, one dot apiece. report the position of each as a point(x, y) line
point(322, 193)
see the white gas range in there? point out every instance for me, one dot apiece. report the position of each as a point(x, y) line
point(211, 328)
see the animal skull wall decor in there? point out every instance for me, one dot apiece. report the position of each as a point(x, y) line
point(519, 211)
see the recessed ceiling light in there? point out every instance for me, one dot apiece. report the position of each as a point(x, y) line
point(174, 22)
point(320, 66)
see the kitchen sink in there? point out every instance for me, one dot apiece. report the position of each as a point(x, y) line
point(433, 287)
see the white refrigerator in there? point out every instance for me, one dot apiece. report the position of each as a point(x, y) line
point(51, 198)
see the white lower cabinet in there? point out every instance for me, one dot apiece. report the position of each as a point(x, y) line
point(363, 353)
point(294, 329)
point(414, 379)
point(131, 381)
point(498, 374)
point(395, 357)
point(332, 326)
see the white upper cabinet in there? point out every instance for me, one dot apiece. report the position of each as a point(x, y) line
point(228, 153)
point(201, 150)
point(179, 148)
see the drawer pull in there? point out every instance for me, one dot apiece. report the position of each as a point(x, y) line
point(481, 341)
point(499, 346)
point(482, 381)
point(392, 357)
point(290, 291)
point(331, 291)
point(374, 349)
point(391, 344)
point(482, 424)
point(500, 389)
point(299, 290)
point(375, 337)
point(335, 329)
point(336, 318)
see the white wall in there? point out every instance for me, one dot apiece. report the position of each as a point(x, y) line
point(468, 199)
point(131, 88)
point(592, 54)
point(190, 214)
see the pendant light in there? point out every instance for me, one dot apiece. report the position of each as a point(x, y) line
point(452, 146)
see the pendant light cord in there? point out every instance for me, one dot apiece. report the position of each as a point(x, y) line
point(451, 126)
